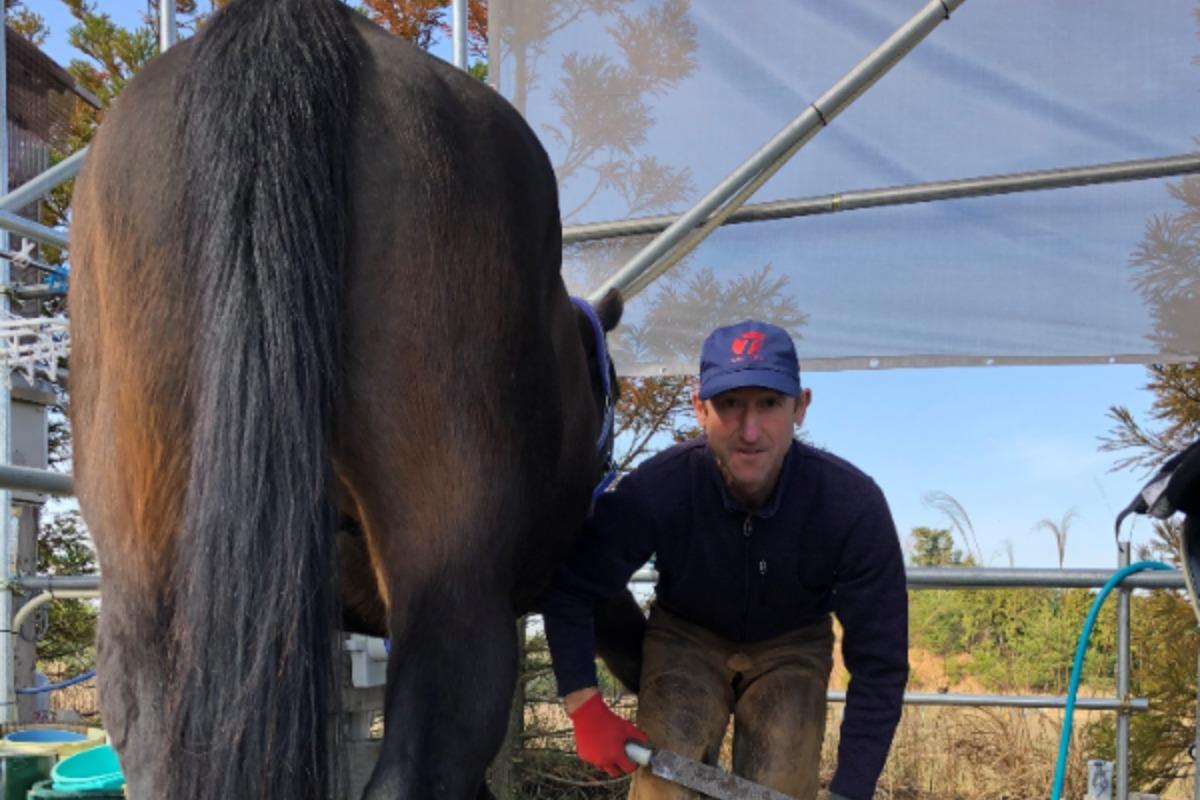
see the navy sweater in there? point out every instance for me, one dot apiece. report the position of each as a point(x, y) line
point(825, 542)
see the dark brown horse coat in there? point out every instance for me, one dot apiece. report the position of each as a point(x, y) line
point(316, 274)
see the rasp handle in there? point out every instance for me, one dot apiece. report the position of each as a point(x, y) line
point(638, 753)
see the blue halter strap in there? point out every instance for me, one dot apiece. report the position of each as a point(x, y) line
point(604, 442)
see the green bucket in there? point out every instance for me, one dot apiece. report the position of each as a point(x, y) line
point(29, 754)
point(44, 790)
point(92, 770)
point(21, 771)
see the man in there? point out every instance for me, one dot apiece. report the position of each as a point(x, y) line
point(758, 539)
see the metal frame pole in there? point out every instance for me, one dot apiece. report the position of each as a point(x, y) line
point(33, 189)
point(459, 29)
point(55, 583)
point(36, 480)
point(1010, 577)
point(7, 551)
point(166, 25)
point(1009, 701)
point(1039, 180)
point(32, 230)
point(1123, 660)
point(733, 190)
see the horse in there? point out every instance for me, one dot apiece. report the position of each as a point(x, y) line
point(317, 287)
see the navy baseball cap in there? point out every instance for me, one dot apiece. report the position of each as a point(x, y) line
point(750, 353)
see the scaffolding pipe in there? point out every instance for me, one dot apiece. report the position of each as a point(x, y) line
point(35, 188)
point(642, 268)
point(1122, 764)
point(1010, 701)
point(38, 291)
point(35, 480)
point(56, 583)
point(918, 578)
point(32, 230)
point(1012, 578)
point(1017, 577)
point(166, 25)
point(459, 30)
point(1039, 180)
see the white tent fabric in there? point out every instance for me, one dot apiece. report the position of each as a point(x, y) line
point(644, 105)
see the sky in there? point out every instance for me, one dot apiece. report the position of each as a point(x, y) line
point(1014, 445)
point(59, 21)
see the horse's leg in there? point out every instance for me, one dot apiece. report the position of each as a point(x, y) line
point(450, 680)
point(454, 649)
point(437, 561)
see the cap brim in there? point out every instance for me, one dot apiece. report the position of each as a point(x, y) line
point(761, 378)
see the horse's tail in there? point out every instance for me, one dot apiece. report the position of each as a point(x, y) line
point(266, 104)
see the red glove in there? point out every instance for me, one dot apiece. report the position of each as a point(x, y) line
point(600, 736)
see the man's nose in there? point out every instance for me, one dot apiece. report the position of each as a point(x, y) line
point(751, 426)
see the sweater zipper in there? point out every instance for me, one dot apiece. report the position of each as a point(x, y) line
point(762, 583)
point(747, 529)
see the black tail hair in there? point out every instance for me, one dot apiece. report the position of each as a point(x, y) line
point(266, 102)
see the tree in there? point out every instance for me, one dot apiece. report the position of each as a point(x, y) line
point(112, 55)
point(1174, 415)
point(28, 23)
point(934, 547)
point(64, 548)
point(422, 22)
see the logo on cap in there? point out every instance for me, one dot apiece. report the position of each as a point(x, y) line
point(748, 346)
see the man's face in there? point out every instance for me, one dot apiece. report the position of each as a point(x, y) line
point(749, 432)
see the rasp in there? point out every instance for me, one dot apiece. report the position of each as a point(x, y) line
point(702, 778)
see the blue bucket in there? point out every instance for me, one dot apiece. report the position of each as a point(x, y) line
point(96, 769)
point(44, 736)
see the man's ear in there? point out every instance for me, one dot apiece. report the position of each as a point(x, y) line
point(698, 406)
point(803, 401)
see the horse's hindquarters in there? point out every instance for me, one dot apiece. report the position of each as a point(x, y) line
point(465, 428)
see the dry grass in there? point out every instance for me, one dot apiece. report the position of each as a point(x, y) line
point(76, 702)
point(939, 753)
point(944, 753)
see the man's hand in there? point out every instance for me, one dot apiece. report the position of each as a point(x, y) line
point(600, 735)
